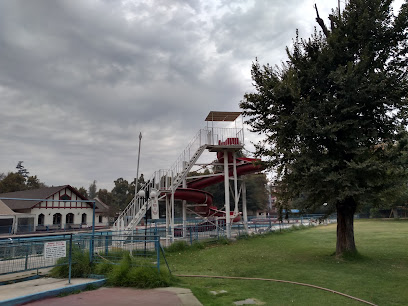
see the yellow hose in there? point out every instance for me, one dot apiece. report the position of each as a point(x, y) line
point(281, 281)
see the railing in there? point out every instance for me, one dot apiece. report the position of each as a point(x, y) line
point(24, 254)
point(169, 180)
point(17, 255)
point(215, 136)
point(194, 145)
point(7, 230)
point(208, 137)
point(212, 229)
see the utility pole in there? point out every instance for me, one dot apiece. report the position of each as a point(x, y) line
point(138, 160)
point(339, 7)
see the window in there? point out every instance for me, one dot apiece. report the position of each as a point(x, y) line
point(56, 218)
point(100, 219)
point(69, 218)
point(65, 197)
point(83, 218)
point(41, 219)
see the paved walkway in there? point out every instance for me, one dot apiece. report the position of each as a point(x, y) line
point(32, 290)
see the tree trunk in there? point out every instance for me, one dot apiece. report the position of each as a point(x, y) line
point(345, 227)
point(395, 212)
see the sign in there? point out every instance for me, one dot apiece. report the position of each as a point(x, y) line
point(55, 249)
point(155, 208)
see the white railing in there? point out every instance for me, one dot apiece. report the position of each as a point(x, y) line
point(207, 136)
point(217, 136)
point(169, 180)
point(137, 207)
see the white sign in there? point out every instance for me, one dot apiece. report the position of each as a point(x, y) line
point(55, 249)
point(155, 208)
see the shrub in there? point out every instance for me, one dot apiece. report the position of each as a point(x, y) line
point(117, 276)
point(198, 245)
point(146, 277)
point(223, 240)
point(124, 275)
point(80, 267)
point(177, 246)
point(104, 268)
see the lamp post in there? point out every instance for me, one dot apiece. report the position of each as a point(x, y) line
point(138, 160)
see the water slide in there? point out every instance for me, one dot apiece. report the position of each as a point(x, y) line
point(193, 192)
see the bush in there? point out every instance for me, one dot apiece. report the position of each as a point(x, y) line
point(177, 246)
point(80, 267)
point(104, 268)
point(223, 240)
point(146, 277)
point(124, 275)
point(117, 276)
point(198, 245)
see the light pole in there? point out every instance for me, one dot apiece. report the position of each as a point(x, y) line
point(138, 160)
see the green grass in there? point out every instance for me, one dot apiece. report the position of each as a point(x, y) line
point(378, 274)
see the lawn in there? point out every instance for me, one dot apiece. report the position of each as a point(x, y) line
point(379, 275)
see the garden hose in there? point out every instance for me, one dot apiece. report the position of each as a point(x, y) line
point(281, 281)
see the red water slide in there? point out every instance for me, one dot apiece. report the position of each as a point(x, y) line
point(194, 193)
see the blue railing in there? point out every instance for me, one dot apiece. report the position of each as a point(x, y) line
point(29, 253)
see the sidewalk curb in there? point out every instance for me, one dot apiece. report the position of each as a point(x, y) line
point(51, 293)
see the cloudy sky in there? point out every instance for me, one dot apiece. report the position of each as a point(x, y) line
point(79, 79)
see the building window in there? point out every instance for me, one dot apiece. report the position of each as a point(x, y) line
point(56, 219)
point(100, 219)
point(65, 197)
point(69, 218)
point(41, 219)
point(83, 218)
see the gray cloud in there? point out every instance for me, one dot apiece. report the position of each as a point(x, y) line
point(80, 79)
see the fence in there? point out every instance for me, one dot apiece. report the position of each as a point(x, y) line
point(34, 253)
point(197, 229)
point(25, 254)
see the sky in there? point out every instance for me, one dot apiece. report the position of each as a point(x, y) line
point(80, 79)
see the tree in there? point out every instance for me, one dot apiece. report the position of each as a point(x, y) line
point(21, 170)
point(82, 191)
point(32, 182)
point(92, 190)
point(334, 108)
point(396, 195)
point(12, 182)
point(120, 193)
point(106, 197)
point(257, 192)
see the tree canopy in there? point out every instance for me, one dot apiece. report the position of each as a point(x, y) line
point(334, 110)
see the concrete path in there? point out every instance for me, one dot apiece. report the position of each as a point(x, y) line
point(42, 291)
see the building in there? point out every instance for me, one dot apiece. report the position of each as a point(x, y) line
point(44, 209)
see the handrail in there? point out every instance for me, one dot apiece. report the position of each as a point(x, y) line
point(169, 180)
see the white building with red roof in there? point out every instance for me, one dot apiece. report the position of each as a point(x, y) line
point(49, 209)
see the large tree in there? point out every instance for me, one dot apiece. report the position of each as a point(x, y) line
point(331, 112)
point(92, 190)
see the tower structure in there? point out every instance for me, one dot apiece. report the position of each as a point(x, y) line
point(174, 184)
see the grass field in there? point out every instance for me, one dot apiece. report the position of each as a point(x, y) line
point(379, 275)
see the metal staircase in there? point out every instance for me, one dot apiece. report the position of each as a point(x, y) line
point(182, 175)
point(167, 181)
point(133, 213)
point(137, 208)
